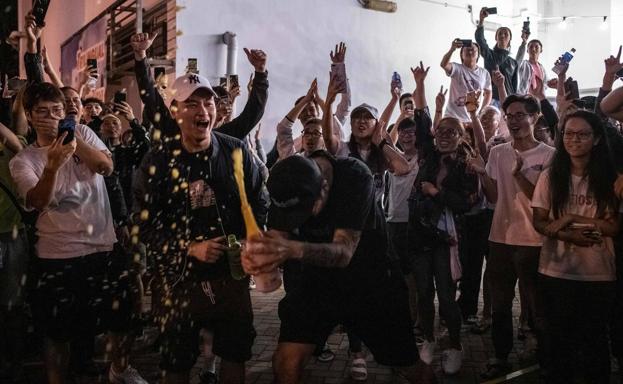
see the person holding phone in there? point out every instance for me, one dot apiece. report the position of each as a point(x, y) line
point(465, 77)
point(75, 233)
point(575, 208)
point(498, 57)
point(531, 71)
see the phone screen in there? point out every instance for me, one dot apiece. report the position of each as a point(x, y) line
point(192, 65)
point(492, 10)
point(233, 81)
point(120, 97)
point(67, 125)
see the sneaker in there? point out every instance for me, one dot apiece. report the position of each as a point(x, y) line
point(530, 345)
point(496, 368)
point(481, 326)
point(451, 360)
point(471, 320)
point(207, 377)
point(359, 369)
point(129, 376)
point(326, 354)
point(427, 351)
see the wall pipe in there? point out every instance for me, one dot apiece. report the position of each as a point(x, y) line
point(230, 39)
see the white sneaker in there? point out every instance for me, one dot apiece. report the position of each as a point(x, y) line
point(427, 351)
point(451, 361)
point(129, 376)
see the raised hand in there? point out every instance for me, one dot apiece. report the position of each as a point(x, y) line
point(483, 14)
point(58, 154)
point(233, 93)
point(525, 36)
point(379, 133)
point(85, 74)
point(140, 43)
point(613, 64)
point(125, 110)
point(456, 44)
point(472, 101)
point(563, 65)
point(311, 92)
point(339, 54)
point(440, 99)
point(419, 73)
point(333, 90)
point(497, 78)
point(33, 31)
point(257, 58)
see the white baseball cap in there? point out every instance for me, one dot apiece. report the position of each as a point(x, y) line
point(186, 85)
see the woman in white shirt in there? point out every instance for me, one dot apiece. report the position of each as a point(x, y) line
point(576, 209)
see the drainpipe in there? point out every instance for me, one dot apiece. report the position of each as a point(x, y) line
point(230, 39)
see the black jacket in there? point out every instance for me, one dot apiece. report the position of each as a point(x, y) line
point(162, 203)
point(238, 127)
point(458, 192)
point(501, 58)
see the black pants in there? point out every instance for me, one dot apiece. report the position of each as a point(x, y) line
point(474, 247)
point(432, 273)
point(506, 264)
point(616, 323)
point(576, 329)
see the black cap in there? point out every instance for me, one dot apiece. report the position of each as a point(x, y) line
point(294, 185)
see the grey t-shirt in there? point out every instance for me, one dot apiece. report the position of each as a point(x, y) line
point(78, 221)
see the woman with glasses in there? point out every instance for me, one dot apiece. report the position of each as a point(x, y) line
point(442, 192)
point(575, 208)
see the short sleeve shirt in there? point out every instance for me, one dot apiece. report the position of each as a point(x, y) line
point(462, 81)
point(565, 260)
point(78, 220)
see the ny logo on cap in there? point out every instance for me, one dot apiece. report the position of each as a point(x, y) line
point(193, 79)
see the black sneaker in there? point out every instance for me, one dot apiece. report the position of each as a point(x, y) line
point(496, 368)
point(207, 377)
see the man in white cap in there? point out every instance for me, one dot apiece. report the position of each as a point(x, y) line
point(189, 205)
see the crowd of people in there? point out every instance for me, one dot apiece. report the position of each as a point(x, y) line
point(366, 229)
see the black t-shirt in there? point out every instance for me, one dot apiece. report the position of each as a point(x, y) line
point(204, 217)
point(351, 205)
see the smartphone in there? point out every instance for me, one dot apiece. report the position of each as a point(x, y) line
point(120, 97)
point(466, 42)
point(68, 125)
point(192, 66)
point(39, 10)
point(492, 10)
point(92, 63)
point(233, 81)
point(159, 71)
point(222, 82)
point(571, 87)
point(526, 26)
point(338, 75)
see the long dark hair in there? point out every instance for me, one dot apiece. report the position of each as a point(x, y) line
point(599, 171)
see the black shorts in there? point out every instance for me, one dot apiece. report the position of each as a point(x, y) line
point(227, 314)
point(378, 314)
point(81, 293)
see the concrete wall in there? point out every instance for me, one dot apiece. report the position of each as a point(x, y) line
point(298, 36)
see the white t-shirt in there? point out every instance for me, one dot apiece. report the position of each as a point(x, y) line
point(512, 219)
point(464, 80)
point(399, 191)
point(565, 260)
point(78, 221)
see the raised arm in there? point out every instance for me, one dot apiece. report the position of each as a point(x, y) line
point(440, 101)
point(49, 69)
point(338, 58)
point(521, 51)
point(485, 51)
point(397, 163)
point(330, 141)
point(391, 105)
point(497, 78)
point(611, 103)
point(253, 110)
point(472, 100)
point(32, 58)
point(445, 60)
point(419, 95)
point(285, 141)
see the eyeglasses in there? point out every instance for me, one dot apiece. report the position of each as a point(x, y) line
point(406, 132)
point(45, 112)
point(583, 136)
point(312, 133)
point(516, 116)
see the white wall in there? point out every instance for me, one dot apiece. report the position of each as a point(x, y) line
point(299, 34)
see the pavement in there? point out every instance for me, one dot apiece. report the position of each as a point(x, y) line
point(477, 350)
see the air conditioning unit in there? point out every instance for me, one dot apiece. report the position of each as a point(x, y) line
point(380, 5)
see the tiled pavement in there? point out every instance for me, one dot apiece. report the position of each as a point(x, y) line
point(477, 350)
